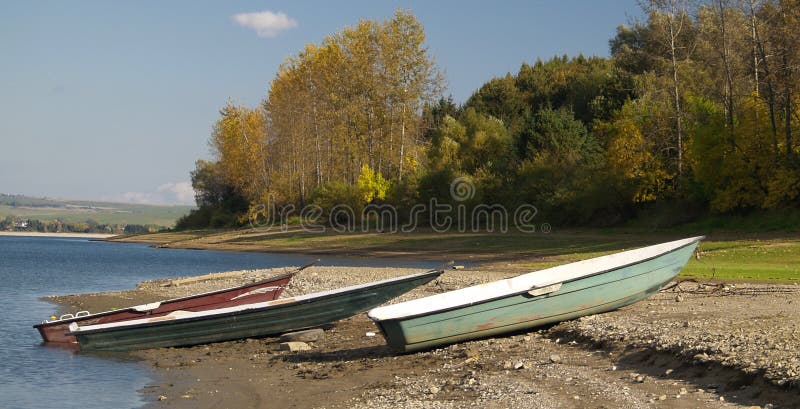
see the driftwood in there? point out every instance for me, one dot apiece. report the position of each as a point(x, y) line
point(722, 289)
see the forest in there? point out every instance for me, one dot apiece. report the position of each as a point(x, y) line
point(695, 112)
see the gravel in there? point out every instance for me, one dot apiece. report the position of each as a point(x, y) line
point(696, 345)
point(752, 328)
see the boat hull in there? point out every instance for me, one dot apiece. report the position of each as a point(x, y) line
point(265, 290)
point(279, 317)
point(593, 294)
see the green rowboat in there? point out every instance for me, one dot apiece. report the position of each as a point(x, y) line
point(182, 328)
point(556, 294)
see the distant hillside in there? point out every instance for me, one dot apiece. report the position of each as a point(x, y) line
point(42, 208)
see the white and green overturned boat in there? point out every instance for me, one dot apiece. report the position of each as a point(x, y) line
point(555, 294)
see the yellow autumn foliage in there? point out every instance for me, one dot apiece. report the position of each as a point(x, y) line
point(372, 185)
point(631, 161)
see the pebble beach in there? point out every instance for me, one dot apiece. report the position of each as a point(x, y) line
point(693, 344)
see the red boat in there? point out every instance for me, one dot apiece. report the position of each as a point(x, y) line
point(264, 290)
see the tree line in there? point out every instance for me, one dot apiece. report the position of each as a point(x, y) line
point(11, 223)
point(696, 109)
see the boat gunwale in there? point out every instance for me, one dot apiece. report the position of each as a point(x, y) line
point(516, 293)
point(123, 325)
point(167, 301)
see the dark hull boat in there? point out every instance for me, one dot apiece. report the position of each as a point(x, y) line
point(181, 328)
point(264, 290)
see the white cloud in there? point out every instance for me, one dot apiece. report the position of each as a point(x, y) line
point(168, 193)
point(265, 23)
point(182, 191)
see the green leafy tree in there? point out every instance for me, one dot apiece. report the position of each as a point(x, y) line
point(219, 202)
point(501, 99)
point(557, 134)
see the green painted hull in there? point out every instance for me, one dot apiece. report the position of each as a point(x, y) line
point(256, 322)
point(592, 294)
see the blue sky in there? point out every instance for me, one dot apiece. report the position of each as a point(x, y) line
point(115, 101)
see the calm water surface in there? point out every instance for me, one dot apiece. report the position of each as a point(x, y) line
point(33, 375)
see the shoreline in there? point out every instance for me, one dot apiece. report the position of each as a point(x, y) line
point(348, 369)
point(759, 258)
point(66, 235)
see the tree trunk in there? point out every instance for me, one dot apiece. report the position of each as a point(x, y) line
point(317, 145)
point(390, 153)
point(770, 95)
point(787, 95)
point(756, 83)
point(264, 159)
point(728, 75)
point(402, 145)
point(673, 33)
point(370, 136)
point(302, 183)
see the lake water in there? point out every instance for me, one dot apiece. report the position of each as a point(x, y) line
point(33, 375)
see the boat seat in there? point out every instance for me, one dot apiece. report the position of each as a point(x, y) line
point(146, 307)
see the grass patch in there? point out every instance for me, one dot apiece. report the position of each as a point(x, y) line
point(774, 259)
point(511, 244)
point(724, 256)
point(748, 260)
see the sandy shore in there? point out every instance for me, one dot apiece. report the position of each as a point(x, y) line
point(687, 347)
point(38, 234)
